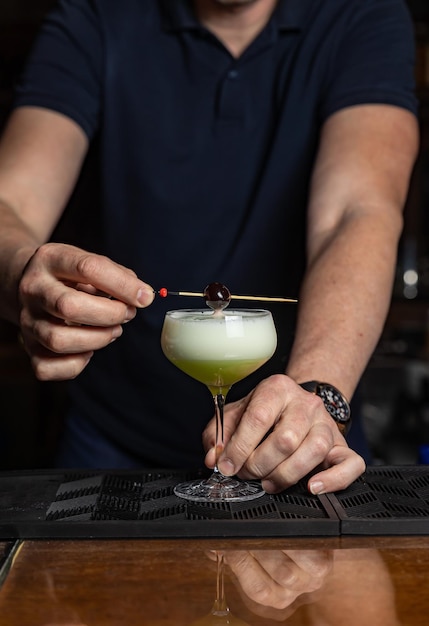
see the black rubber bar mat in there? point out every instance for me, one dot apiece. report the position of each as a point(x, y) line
point(385, 501)
point(116, 504)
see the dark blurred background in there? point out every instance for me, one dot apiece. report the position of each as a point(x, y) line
point(395, 388)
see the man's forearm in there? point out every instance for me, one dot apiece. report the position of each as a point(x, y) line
point(41, 153)
point(344, 302)
point(17, 244)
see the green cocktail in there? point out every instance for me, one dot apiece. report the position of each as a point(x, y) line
point(219, 348)
point(218, 375)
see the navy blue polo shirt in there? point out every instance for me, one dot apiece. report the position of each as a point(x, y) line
point(203, 168)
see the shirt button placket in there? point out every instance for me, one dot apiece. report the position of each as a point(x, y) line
point(231, 104)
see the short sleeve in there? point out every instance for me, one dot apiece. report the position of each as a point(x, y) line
point(374, 61)
point(64, 69)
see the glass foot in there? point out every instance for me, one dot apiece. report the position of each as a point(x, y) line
point(219, 488)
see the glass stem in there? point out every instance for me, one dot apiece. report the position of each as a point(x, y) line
point(220, 606)
point(219, 400)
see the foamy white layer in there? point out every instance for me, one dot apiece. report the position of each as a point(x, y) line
point(236, 334)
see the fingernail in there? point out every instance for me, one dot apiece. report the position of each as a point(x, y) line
point(317, 487)
point(269, 486)
point(226, 467)
point(130, 314)
point(210, 457)
point(145, 296)
point(117, 332)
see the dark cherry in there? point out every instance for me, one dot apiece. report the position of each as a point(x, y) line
point(217, 296)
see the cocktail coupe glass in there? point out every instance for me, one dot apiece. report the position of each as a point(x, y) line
point(219, 348)
point(220, 614)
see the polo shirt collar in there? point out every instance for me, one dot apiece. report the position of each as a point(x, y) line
point(289, 14)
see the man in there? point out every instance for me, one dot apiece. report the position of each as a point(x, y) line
point(264, 144)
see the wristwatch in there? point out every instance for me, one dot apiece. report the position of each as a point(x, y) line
point(335, 403)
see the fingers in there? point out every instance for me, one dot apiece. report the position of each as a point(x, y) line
point(298, 442)
point(257, 583)
point(63, 264)
point(60, 337)
point(345, 467)
point(279, 434)
point(65, 314)
point(274, 407)
point(276, 578)
point(56, 367)
point(247, 422)
point(74, 306)
point(59, 351)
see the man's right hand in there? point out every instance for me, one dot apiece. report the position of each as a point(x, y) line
point(274, 583)
point(74, 302)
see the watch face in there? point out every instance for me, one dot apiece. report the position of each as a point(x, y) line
point(335, 403)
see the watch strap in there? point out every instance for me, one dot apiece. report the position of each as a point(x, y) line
point(310, 385)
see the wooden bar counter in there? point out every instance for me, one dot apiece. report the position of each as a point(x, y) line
point(343, 581)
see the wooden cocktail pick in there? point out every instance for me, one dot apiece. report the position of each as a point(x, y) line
point(164, 292)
